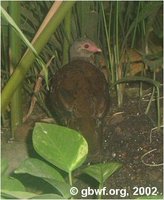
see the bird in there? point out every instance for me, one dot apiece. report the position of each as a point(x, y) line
point(79, 94)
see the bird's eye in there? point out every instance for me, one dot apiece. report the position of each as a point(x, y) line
point(86, 46)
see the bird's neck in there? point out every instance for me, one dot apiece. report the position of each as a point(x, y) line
point(87, 59)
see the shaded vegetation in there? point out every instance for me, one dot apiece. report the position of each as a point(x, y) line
point(130, 34)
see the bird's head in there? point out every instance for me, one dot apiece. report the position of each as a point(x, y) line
point(83, 49)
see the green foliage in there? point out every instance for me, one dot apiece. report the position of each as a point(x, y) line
point(151, 197)
point(28, 58)
point(152, 82)
point(66, 150)
point(101, 172)
point(43, 170)
point(129, 25)
point(52, 174)
point(67, 154)
point(154, 61)
point(9, 184)
point(30, 166)
point(115, 26)
point(25, 40)
point(12, 184)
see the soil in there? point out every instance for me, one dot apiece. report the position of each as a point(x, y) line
point(132, 141)
point(130, 138)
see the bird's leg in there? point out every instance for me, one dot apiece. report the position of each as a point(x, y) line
point(92, 133)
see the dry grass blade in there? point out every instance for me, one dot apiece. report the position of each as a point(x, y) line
point(37, 88)
point(56, 5)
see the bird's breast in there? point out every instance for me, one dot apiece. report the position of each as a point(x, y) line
point(81, 88)
point(80, 97)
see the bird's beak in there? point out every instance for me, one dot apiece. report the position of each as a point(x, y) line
point(95, 49)
point(99, 50)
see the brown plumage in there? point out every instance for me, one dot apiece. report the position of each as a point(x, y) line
point(79, 94)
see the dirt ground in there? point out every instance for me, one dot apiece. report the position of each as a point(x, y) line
point(130, 138)
point(133, 141)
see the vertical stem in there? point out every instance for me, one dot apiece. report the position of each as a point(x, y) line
point(150, 101)
point(144, 41)
point(100, 191)
point(135, 28)
point(157, 103)
point(158, 109)
point(70, 178)
point(117, 59)
point(28, 58)
point(117, 35)
point(15, 52)
point(107, 33)
point(67, 39)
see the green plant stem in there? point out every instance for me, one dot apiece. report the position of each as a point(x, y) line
point(117, 58)
point(100, 189)
point(83, 9)
point(155, 84)
point(108, 41)
point(67, 39)
point(158, 103)
point(135, 28)
point(28, 58)
point(15, 52)
point(150, 101)
point(70, 181)
point(70, 178)
point(117, 31)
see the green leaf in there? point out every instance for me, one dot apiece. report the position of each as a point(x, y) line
point(138, 78)
point(102, 171)
point(151, 197)
point(63, 147)
point(28, 195)
point(11, 184)
point(156, 84)
point(17, 194)
point(40, 169)
point(4, 166)
point(54, 19)
point(148, 10)
point(62, 187)
point(49, 196)
point(154, 61)
point(6, 16)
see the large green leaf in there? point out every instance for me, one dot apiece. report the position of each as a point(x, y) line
point(17, 194)
point(4, 166)
point(11, 184)
point(63, 147)
point(25, 40)
point(40, 169)
point(101, 171)
point(151, 197)
point(62, 187)
point(49, 196)
point(28, 195)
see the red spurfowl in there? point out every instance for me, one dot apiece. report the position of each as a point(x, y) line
point(79, 94)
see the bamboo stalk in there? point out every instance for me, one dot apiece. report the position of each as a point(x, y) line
point(15, 53)
point(28, 58)
point(67, 39)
